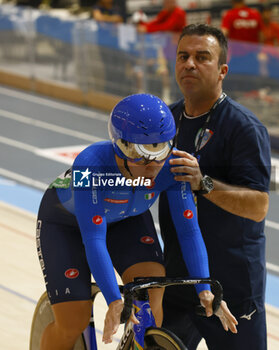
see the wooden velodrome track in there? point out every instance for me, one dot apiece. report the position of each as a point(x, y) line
point(21, 279)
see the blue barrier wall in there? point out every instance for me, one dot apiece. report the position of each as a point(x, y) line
point(115, 59)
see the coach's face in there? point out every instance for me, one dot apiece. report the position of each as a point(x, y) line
point(197, 69)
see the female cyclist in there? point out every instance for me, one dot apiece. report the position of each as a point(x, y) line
point(84, 222)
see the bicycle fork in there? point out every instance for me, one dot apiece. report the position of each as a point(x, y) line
point(135, 332)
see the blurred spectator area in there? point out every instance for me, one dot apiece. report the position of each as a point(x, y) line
point(114, 60)
point(205, 11)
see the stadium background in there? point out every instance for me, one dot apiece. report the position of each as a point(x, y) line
point(65, 54)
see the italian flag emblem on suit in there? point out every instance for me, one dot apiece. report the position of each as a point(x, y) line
point(149, 196)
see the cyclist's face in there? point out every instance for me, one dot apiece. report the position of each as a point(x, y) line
point(149, 171)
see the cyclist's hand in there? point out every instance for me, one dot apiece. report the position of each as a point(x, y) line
point(187, 169)
point(112, 320)
point(133, 318)
point(206, 299)
point(227, 319)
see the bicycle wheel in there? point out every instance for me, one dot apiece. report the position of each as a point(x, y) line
point(162, 339)
point(42, 317)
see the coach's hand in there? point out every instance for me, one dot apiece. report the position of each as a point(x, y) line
point(112, 320)
point(187, 168)
point(227, 319)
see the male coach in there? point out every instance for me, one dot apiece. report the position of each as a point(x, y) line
point(225, 155)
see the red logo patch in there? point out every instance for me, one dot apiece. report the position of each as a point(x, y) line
point(188, 214)
point(97, 220)
point(147, 240)
point(71, 273)
point(116, 201)
point(151, 186)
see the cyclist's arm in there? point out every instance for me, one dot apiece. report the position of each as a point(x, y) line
point(184, 215)
point(93, 227)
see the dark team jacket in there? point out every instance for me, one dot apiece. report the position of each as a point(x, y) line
point(236, 150)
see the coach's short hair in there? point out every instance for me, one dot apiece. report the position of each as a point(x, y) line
point(204, 29)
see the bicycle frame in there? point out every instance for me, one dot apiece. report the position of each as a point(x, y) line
point(136, 296)
point(143, 313)
point(137, 331)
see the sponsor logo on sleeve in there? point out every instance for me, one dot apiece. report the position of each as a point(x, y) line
point(184, 190)
point(188, 214)
point(94, 195)
point(97, 220)
point(151, 185)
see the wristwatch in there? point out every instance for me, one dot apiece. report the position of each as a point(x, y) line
point(207, 185)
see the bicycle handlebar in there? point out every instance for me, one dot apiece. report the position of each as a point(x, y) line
point(130, 290)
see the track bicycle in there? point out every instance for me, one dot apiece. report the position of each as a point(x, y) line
point(144, 335)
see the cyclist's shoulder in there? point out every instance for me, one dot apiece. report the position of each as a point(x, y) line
point(166, 177)
point(97, 147)
point(96, 153)
point(167, 166)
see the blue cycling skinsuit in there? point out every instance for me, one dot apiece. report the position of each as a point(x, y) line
point(78, 231)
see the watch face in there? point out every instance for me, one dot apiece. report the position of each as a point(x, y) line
point(207, 183)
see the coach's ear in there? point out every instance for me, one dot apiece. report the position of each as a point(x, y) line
point(224, 68)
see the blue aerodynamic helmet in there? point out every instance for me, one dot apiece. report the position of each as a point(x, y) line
point(140, 127)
